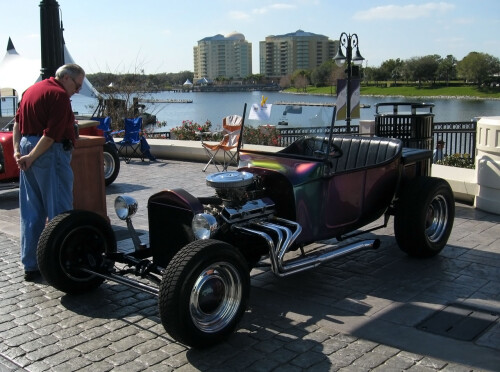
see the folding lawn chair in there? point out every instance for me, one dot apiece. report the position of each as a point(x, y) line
point(105, 127)
point(130, 146)
point(232, 130)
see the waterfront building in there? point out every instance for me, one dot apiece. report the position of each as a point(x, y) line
point(219, 56)
point(281, 55)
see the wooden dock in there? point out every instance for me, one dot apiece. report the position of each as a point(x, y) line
point(166, 100)
point(322, 104)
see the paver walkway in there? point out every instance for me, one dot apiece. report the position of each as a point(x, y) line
point(364, 312)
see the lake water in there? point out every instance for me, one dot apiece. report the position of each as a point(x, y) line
point(214, 106)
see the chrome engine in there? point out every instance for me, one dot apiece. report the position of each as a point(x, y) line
point(256, 216)
point(233, 189)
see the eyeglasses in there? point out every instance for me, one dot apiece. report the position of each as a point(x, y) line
point(77, 86)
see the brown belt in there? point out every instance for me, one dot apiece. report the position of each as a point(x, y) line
point(32, 134)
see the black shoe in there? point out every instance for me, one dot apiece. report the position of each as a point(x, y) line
point(32, 275)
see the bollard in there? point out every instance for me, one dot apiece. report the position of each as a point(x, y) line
point(367, 128)
point(488, 164)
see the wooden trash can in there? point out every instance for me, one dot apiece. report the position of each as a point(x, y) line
point(89, 190)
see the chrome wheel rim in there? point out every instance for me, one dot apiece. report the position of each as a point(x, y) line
point(215, 297)
point(109, 165)
point(436, 219)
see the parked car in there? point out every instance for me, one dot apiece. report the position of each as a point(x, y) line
point(9, 172)
point(201, 249)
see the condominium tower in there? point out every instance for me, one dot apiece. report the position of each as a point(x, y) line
point(281, 55)
point(227, 56)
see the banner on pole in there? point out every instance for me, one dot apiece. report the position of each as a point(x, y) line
point(341, 103)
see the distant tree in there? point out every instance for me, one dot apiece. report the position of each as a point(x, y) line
point(320, 76)
point(423, 68)
point(476, 67)
point(447, 69)
point(300, 80)
point(285, 81)
point(255, 78)
point(375, 74)
point(392, 69)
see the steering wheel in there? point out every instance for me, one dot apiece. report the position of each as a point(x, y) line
point(335, 151)
point(309, 147)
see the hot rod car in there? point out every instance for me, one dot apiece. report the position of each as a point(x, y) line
point(201, 249)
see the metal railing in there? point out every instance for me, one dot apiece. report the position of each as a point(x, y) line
point(290, 135)
point(459, 137)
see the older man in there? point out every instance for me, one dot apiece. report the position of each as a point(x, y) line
point(43, 139)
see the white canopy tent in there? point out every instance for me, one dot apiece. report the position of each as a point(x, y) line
point(88, 89)
point(19, 73)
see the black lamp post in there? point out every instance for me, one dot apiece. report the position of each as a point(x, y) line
point(349, 42)
point(51, 38)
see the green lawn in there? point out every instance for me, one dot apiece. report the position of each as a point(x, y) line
point(413, 91)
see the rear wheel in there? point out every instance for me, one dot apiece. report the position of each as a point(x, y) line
point(424, 217)
point(204, 292)
point(71, 241)
point(111, 163)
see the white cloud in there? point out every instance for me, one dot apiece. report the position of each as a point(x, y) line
point(273, 7)
point(410, 11)
point(236, 14)
point(282, 6)
point(463, 21)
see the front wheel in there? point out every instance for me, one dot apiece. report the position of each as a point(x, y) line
point(204, 292)
point(71, 241)
point(424, 217)
point(111, 163)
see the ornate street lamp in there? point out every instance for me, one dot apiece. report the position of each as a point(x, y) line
point(349, 42)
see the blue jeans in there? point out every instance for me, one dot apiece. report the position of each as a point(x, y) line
point(45, 190)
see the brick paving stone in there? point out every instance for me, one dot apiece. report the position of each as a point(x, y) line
point(263, 365)
point(307, 360)
point(61, 357)
point(395, 363)
point(370, 360)
point(288, 368)
point(100, 354)
point(97, 367)
point(122, 357)
point(282, 355)
point(92, 345)
point(74, 364)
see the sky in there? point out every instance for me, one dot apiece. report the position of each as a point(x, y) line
point(156, 36)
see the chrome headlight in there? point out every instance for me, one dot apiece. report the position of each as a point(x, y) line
point(125, 206)
point(204, 225)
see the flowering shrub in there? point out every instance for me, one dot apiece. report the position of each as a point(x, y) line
point(266, 135)
point(457, 160)
point(187, 130)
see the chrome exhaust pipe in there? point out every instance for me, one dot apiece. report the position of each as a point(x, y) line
point(283, 240)
point(302, 264)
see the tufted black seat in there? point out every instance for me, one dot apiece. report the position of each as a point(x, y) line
point(357, 152)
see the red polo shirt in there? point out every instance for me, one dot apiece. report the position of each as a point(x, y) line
point(45, 109)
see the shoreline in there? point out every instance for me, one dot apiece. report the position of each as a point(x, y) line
point(470, 98)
